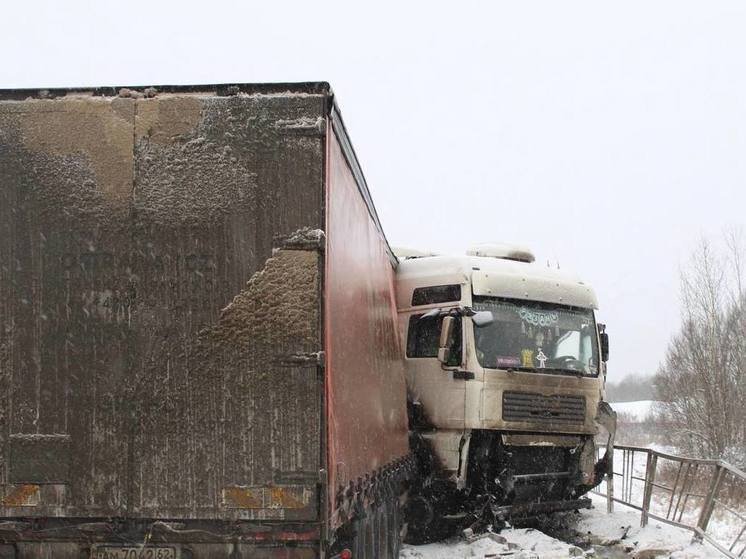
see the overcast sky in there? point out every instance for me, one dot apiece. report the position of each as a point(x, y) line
point(607, 136)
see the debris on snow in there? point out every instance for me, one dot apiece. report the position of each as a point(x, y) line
point(523, 543)
point(610, 536)
point(621, 530)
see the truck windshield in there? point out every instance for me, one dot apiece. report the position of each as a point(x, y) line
point(533, 336)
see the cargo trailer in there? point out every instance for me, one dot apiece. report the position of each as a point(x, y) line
point(199, 354)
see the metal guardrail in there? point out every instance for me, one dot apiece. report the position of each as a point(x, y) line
point(687, 492)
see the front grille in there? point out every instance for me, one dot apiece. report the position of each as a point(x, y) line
point(526, 406)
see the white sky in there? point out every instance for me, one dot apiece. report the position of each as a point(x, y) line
point(608, 136)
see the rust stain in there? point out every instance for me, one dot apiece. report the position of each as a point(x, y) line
point(243, 497)
point(22, 496)
point(286, 498)
point(271, 497)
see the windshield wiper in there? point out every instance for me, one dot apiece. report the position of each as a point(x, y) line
point(576, 372)
point(521, 369)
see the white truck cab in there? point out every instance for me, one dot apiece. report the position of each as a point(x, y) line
point(505, 368)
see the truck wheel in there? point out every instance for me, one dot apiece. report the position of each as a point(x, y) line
point(419, 520)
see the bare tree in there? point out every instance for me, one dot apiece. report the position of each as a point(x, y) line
point(702, 381)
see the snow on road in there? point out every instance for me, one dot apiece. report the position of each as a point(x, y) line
point(524, 543)
point(611, 536)
point(622, 530)
point(615, 535)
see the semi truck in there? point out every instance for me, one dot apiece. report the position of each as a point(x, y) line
point(505, 367)
point(198, 330)
point(208, 349)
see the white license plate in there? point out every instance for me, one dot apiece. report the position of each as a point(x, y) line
point(132, 552)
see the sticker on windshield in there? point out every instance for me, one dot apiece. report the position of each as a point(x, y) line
point(508, 361)
point(538, 318)
point(527, 356)
point(542, 359)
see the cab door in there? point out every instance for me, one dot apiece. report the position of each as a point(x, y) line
point(439, 388)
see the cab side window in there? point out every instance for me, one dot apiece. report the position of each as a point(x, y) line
point(423, 337)
point(436, 294)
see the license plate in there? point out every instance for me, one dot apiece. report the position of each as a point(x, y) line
point(132, 552)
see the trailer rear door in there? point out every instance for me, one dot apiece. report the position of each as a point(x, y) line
point(154, 356)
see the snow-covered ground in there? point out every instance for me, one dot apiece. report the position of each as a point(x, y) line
point(524, 543)
point(622, 529)
point(613, 535)
point(640, 409)
point(724, 526)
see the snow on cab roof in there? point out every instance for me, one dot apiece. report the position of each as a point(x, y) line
point(498, 277)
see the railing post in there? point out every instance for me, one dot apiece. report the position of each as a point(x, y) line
point(709, 505)
point(610, 482)
point(649, 480)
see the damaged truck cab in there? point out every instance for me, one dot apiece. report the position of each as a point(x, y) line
point(505, 367)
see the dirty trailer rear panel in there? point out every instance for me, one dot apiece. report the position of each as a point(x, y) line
point(158, 361)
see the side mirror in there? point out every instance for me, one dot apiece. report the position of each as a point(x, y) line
point(435, 313)
point(482, 318)
point(604, 339)
point(446, 339)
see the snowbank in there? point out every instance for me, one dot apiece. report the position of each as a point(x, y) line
point(622, 530)
point(640, 409)
point(613, 535)
point(524, 543)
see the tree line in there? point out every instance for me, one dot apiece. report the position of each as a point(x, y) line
point(631, 388)
point(702, 380)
